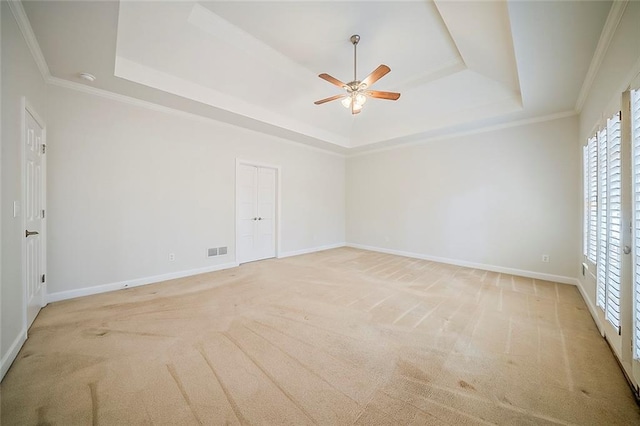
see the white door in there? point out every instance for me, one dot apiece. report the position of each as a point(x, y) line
point(34, 197)
point(256, 192)
point(266, 224)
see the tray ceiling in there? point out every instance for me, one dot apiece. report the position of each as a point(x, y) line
point(255, 64)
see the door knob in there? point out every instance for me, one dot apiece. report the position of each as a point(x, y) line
point(259, 218)
point(27, 233)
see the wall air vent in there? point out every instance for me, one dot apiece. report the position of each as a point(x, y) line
point(212, 252)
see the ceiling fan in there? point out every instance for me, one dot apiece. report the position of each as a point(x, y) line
point(358, 91)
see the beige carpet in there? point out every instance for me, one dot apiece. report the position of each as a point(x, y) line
point(338, 337)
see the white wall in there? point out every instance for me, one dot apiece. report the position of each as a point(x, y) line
point(128, 185)
point(620, 65)
point(20, 77)
point(501, 198)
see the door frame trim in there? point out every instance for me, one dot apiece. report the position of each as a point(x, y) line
point(27, 108)
point(278, 170)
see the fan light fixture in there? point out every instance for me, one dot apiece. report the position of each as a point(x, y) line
point(358, 100)
point(357, 92)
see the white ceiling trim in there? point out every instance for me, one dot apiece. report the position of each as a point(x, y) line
point(151, 77)
point(517, 123)
point(55, 81)
point(29, 36)
point(610, 26)
point(79, 87)
point(506, 105)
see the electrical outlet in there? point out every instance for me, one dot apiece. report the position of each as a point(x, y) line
point(172, 257)
point(545, 258)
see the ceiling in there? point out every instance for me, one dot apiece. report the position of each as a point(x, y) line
point(459, 65)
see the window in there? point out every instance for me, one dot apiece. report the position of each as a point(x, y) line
point(614, 221)
point(601, 260)
point(635, 147)
point(603, 215)
point(585, 210)
point(611, 240)
point(591, 194)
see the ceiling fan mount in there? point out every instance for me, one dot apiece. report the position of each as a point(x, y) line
point(356, 91)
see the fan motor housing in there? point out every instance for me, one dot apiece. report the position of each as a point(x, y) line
point(353, 86)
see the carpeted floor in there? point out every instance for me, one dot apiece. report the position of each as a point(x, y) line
point(338, 337)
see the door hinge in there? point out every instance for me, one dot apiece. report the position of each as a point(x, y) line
point(44, 149)
point(43, 213)
point(42, 278)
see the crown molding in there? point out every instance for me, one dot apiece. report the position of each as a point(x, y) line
point(485, 129)
point(71, 85)
point(609, 29)
point(30, 38)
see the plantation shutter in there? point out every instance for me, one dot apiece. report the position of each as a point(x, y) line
point(614, 221)
point(635, 144)
point(585, 210)
point(601, 276)
point(592, 168)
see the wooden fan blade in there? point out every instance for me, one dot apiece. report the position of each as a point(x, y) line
point(332, 98)
point(332, 80)
point(392, 96)
point(376, 75)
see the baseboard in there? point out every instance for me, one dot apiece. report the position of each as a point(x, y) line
point(88, 291)
point(310, 250)
point(590, 305)
point(12, 353)
point(464, 263)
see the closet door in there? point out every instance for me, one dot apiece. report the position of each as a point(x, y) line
point(247, 193)
point(256, 192)
point(265, 236)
